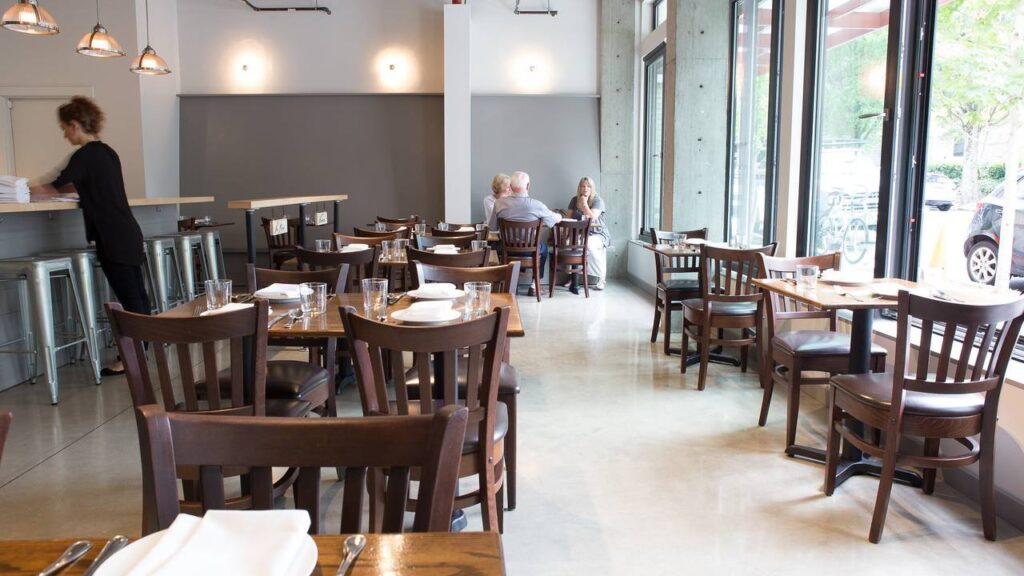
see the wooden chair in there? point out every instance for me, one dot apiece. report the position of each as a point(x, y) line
point(793, 353)
point(521, 241)
point(957, 402)
point(5, 426)
point(187, 224)
point(430, 444)
point(358, 265)
point(341, 240)
point(569, 252)
point(462, 240)
point(454, 230)
point(729, 300)
point(503, 279)
point(281, 247)
point(671, 291)
point(407, 221)
point(483, 340)
point(387, 235)
point(457, 260)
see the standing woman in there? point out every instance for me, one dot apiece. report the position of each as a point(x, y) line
point(94, 173)
point(587, 204)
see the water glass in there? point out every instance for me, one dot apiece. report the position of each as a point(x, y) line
point(313, 298)
point(806, 277)
point(480, 227)
point(398, 247)
point(380, 226)
point(678, 239)
point(375, 298)
point(478, 245)
point(386, 250)
point(323, 245)
point(419, 229)
point(478, 299)
point(442, 226)
point(218, 294)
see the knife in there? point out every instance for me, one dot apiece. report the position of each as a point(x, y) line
point(276, 320)
point(112, 546)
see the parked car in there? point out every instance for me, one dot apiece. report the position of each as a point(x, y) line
point(982, 244)
point(939, 191)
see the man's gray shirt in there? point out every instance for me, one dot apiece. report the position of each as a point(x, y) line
point(522, 208)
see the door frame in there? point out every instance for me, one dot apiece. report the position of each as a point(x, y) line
point(8, 93)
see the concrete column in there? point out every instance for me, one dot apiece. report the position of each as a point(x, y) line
point(790, 121)
point(457, 113)
point(619, 20)
point(696, 65)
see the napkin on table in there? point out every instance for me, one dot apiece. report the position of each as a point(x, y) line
point(436, 288)
point(446, 248)
point(231, 307)
point(354, 247)
point(265, 542)
point(427, 311)
point(279, 291)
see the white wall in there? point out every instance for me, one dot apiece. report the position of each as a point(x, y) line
point(563, 49)
point(48, 61)
point(349, 51)
point(159, 99)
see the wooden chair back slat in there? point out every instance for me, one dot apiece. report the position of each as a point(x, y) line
point(166, 386)
point(570, 236)
point(188, 380)
point(665, 266)
point(462, 240)
point(519, 239)
point(464, 259)
point(386, 235)
point(401, 389)
point(727, 274)
point(330, 271)
point(237, 380)
point(421, 361)
point(433, 444)
point(407, 221)
point(503, 278)
point(5, 426)
point(211, 374)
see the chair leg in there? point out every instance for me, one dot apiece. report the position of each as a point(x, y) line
point(668, 329)
point(499, 500)
point(657, 319)
point(551, 277)
point(510, 448)
point(536, 276)
point(793, 403)
point(744, 333)
point(686, 340)
point(766, 400)
point(885, 480)
point(832, 444)
point(488, 499)
point(931, 448)
point(705, 355)
point(986, 481)
point(586, 282)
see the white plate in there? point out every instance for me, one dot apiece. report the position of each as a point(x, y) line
point(695, 241)
point(278, 298)
point(841, 279)
point(122, 562)
point(444, 250)
point(437, 295)
point(439, 317)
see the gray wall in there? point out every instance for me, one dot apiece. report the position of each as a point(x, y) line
point(556, 139)
point(385, 152)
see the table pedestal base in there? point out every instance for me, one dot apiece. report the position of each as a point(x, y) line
point(850, 468)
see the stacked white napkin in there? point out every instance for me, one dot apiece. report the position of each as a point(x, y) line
point(466, 229)
point(354, 247)
point(436, 289)
point(270, 542)
point(446, 248)
point(14, 189)
point(229, 307)
point(278, 291)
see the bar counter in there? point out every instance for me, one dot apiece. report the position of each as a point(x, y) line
point(53, 205)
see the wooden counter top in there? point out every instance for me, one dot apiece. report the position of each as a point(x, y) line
point(51, 205)
point(257, 203)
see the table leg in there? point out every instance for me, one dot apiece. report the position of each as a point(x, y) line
point(337, 216)
point(250, 236)
point(302, 225)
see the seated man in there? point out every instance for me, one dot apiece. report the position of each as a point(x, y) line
point(519, 207)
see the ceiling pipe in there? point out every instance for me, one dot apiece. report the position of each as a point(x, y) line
point(549, 11)
point(315, 8)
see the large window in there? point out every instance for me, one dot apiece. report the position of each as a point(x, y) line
point(654, 91)
point(660, 12)
point(973, 135)
point(753, 118)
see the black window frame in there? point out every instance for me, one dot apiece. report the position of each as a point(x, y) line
point(645, 226)
point(654, 13)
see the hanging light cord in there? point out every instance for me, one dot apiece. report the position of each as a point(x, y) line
point(97, 12)
point(147, 21)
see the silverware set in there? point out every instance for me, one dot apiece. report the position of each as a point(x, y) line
point(74, 553)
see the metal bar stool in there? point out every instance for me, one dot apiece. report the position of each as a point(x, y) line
point(94, 290)
point(214, 254)
point(194, 263)
point(35, 298)
point(166, 285)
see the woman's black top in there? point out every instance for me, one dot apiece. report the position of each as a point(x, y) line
point(95, 171)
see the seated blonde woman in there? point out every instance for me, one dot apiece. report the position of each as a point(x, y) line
point(587, 204)
point(501, 186)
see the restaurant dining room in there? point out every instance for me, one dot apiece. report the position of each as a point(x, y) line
point(525, 287)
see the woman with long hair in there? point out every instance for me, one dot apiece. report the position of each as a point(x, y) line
point(587, 204)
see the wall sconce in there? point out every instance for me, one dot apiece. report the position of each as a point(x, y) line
point(248, 66)
point(530, 73)
point(395, 69)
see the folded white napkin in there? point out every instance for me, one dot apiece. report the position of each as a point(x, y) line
point(438, 288)
point(230, 307)
point(446, 248)
point(228, 542)
point(466, 229)
point(427, 311)
point(354, 247)
point(278, 291)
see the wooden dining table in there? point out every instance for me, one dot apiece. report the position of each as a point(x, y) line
point(863, 300)
point(428, 554)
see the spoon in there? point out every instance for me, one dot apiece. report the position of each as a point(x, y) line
point(293, 315)
point(353, 547)
point(69, 557)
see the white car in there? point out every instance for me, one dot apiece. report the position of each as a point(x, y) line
point(939, 191)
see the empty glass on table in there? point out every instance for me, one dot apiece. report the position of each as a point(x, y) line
point(375, 298)
point(478, 299)
point(218, 293)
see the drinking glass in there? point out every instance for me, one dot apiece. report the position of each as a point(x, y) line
point(678, 239)
point(218, 293)
point(480, 227)
point(386, 250)
point(380, 226)
point(375, 298)
point(443, 226)
point(398, 248)
point(806, 277)
point(419, 229)
point(313, 297)
point(478, 299)
point(323, 245)
point(478, 245)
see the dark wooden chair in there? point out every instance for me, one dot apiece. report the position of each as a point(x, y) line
point(453, 230)
point(792, 354)
point(945, 399)
point(729, 301)
point(432, 445)
point(521, 241)
point(503, 279)
point(341, 240)
point(187, 224)
point(5, 426)
point(407, 221)
point(569, 252)
point(281, 247)
point(462, 240)
point(390, 234)
point(483, 342)
point(358, 265)
point(464, 259)
point(671, 290)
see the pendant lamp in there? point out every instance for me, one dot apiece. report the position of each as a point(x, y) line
point(99, 43)
point(148, 62)
point(28, 17)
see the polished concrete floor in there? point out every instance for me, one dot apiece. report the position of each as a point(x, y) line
point(624, 467)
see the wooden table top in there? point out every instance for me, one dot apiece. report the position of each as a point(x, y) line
point(52, 205)
point(832, 297)
point(329, 325)
point(669, 250)
point(434, 554)
point(257, 203)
